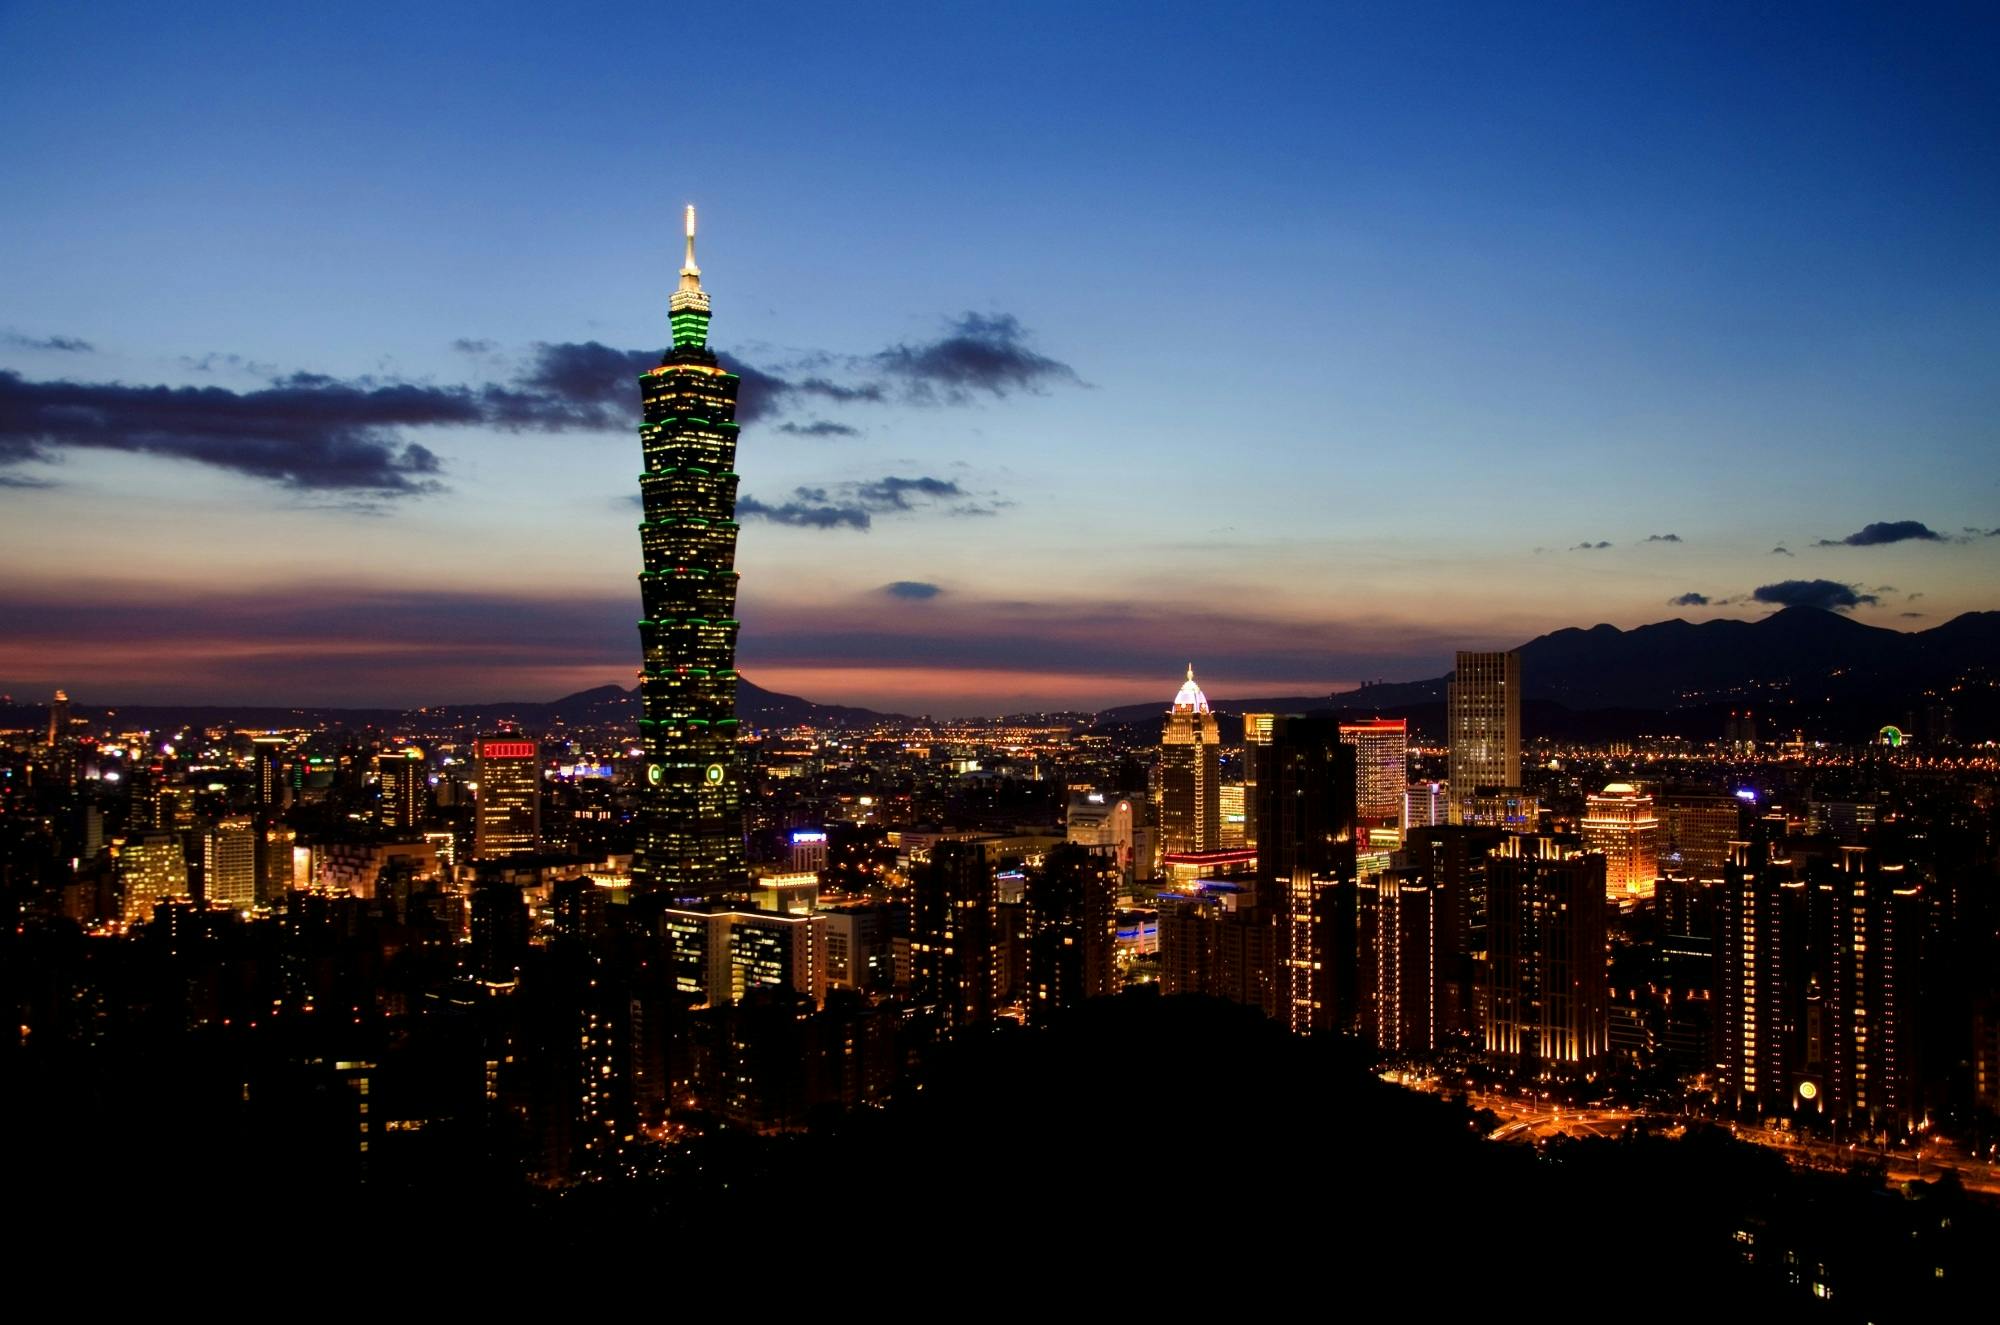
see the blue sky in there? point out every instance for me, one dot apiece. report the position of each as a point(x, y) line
point(1337, 329)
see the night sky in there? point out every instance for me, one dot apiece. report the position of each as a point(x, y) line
point(1308, 343)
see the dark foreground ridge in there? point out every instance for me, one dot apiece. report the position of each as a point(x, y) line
point(1194, 1142)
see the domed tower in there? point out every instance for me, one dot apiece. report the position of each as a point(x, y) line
point(1190, 774)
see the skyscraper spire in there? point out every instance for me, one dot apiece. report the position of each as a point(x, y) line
point(688, 309)
point(690, 274)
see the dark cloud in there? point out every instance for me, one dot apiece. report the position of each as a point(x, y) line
point(1885, 531)
point(805, 513)
point(1828, 595)
point(1781, 551)
point(1911, 616)
point(595, 381)
point(977, 353)
point(1590, 547)
point(305, 432)
point(1663, 538)
point(914, 590)
point(61, 344)
point(1689, 600)
point(899, 494)
point(819, 428)
point(853, 505)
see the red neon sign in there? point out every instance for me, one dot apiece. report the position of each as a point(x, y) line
point(507, 750)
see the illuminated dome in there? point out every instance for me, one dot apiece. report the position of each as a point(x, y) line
point(1190, 699)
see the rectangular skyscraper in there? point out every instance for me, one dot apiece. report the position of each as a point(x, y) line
point(229, 864)
point(691, 816)
point(508, 821)
point(1484, 726)
point(1381, 768)
point(1190, 774)
point(1547, 964)
point(1306, 872)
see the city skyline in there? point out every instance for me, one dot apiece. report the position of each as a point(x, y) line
point(1494, 368)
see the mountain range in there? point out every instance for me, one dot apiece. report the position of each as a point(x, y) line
point(1800, 667)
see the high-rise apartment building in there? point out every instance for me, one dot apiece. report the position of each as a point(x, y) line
point(59, 719)
point(1072, 927)
point(1484, 726)
point(691, 813)
point(1190, 775)
point(1306, 872)
point(229, 864)
point(1619, 824)
point(953, 934)
point(508, 812)
point(1381, 769)
point(1547, 986)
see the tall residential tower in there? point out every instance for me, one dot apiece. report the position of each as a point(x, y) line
point(691, 818)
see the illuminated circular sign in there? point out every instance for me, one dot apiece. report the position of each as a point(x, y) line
point(1808, 1091)
point(1890, 736)
point(654, 773)
point(714, 775)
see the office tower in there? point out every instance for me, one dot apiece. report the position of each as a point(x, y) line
point(1072, 927)
point(857, 947)
point(952, 935)
point(1381, 768)
point(1547, 980)
point(276, 845)
point(1233, 817)
point(404, 784)
point(1305, 872)
point(1620, 825)
point(151, 869)
point(229, 864)
point(690, 826)
point(268, 754)
point(1696, 829)
point(1739, 733)
point(1484, 726)
point(1190, 774)
point(808, 850)
point(507, 818)
point(1426, 804)
point(59, 719)
point(500, 928)
point(1104, 819)
point(1256, 732)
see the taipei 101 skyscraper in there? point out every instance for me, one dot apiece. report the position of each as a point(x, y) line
point(691, 813)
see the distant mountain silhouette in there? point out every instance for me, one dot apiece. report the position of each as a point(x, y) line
point(1800, 665)
point(606, 705)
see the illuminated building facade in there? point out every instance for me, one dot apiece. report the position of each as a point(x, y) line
point(1547, 965)
point(1426, 804)
point(1764, 913)
point(1696, 829)
point(1105, 819)
point(404, 788)
point(1619, 824)
point(1483, 719)
point(151, 869)
point(508, 818)
point(1233, 825)
point(1256, 732)
point(1401, 960)
point(1381, 768)
point(808, 850)
point(1190, 774)
point(1878, 922)
point(1306, 872)
point(1214, 941)
point(58, 719)
point(229, 864)
point(268, 753)
point(690, 841)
